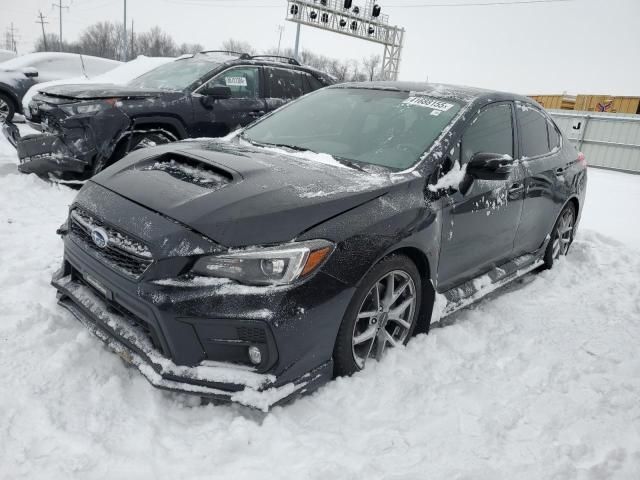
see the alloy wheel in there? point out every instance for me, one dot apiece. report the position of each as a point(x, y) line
point(385, 316)
point(564, 234)
point(4, 110)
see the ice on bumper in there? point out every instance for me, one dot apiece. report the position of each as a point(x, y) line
point(255, 390)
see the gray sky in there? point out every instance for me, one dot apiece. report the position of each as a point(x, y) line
point(578, 46)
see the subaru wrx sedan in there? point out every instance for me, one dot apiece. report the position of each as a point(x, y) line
point(257, 268)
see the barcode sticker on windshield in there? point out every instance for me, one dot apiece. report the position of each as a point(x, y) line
point(235, 81)
point(429, 103)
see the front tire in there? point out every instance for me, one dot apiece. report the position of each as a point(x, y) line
point(561, 236)
point(383, 313)
point(7, 108)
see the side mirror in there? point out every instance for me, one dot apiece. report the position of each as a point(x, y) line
point(490, 166)
point(217, 92)
point(30, 72)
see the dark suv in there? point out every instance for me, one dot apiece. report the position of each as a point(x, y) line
point(256, 268)
point(88, 127)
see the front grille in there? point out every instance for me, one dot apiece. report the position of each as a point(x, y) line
point(122, 252)
point(252, 335)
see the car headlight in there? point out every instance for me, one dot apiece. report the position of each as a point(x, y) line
point(267, 266)
point(85, 108)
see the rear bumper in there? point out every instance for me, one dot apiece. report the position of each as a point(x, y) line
point(216, 380)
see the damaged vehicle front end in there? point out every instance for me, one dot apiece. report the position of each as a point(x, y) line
point(82, 128)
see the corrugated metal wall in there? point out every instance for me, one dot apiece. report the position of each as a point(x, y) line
point(608, 140)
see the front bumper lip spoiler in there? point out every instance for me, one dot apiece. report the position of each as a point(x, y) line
point(224, 382)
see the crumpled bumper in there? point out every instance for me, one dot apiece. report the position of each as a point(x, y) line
point(227, 382)
point(47, 153)
point(11, 133)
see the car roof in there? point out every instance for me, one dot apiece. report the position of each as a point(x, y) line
point(459, 93)
point(228, 59)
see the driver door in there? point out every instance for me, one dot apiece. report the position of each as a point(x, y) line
point(216, 118)
point(480, 224)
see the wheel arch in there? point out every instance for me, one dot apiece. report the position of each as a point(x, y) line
point(5, 90)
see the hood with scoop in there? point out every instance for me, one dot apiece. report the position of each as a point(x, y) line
point(242, 195)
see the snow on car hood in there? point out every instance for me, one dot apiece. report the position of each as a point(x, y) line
point(100, 90)
point(238, 195)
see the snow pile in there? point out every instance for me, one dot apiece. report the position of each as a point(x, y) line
point(192, 174)
point(540, 381)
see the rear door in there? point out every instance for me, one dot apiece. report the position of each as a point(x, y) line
point(222, 116)
point(284, 85)
point(479, 225)
point(544, 166)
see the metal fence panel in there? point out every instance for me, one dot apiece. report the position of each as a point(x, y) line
point(608, 140)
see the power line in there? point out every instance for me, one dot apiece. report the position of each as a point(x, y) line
point(238, 4)
point(478, 4)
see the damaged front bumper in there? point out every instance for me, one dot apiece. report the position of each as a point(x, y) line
point(215, 380)
point(48, 153)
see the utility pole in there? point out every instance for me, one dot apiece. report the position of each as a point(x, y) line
point(60, 7)
point(11, 39)
point(133, 53)
point(280, 29)
point(44, 36)
point(295, 50)
point(124, 36)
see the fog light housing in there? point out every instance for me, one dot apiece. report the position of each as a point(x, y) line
point(255, 355)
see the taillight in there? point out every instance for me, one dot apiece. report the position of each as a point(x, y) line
point(582, 159)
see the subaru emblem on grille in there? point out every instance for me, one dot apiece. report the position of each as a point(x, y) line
point(100, 237)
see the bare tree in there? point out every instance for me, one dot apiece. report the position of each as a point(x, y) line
point(371, 66)
point(155, 43)
point(189, 48)
point(101, 40)
point(234, 45)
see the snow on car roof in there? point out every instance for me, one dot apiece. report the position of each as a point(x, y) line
point(30, 58)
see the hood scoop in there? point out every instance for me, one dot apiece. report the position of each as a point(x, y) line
point(187, 170)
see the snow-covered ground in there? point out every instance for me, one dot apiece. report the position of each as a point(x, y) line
point(540, 381)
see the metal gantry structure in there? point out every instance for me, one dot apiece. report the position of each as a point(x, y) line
point(348, 18)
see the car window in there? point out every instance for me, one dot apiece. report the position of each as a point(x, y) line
point(554, 135)
point(490, 132)
point(532, 126)
point(244, 82)
point(284, 83)
point(311, 83)
point(176, 75)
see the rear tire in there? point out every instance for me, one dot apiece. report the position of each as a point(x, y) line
point(561, 236)
point(7, 108)
point(383, 312)
point(138, 141)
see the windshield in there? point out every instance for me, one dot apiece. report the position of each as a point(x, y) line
point(176, 75)
point(381, 127)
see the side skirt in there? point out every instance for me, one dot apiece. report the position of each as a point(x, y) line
point(473, 290)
